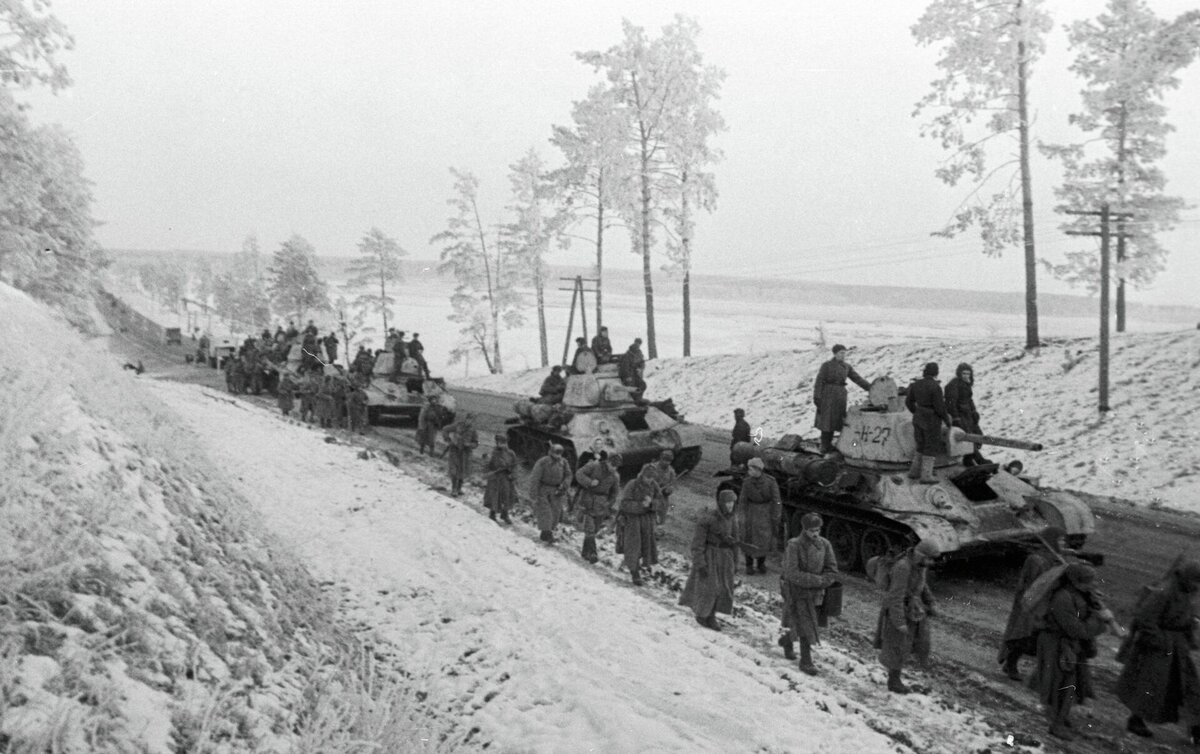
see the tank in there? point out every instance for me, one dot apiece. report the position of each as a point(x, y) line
point(870, 505)
point(402, 394)
point(599, 413)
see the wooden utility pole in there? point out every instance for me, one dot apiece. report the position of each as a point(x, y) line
point(578, 291)
point(1105, 215)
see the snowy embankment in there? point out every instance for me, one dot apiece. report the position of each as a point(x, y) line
point(1146, 449)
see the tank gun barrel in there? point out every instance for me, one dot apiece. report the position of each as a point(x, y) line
point(814, 469)
point(1001, 442)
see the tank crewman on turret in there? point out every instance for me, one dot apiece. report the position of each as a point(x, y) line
point(429, 422)
point(554, 387)
point(331, 347)
point(285, 394)
point(663, 474)
point(399, 353)
point(829, 395)
point(960, 404)
point(311, 329)
point(462, 440)
point(709, 587)
point(291, 332)
point(759, 509)
point(549, 482)
point(1020, 634)
point(904, 620)
point(635, 525)
point(501, 492)
point(599, 484)
point(631, 367)
point(602, 347)
point(581, 347)
point(924, 400)
point(809, 568)
point(416, 350)
point(741, 431)
point(1159, 683)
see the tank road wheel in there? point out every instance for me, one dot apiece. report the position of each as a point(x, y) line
point(874, 542)
point(844, 539)
point(373, 415)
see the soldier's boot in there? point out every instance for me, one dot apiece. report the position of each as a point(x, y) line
point(1010, 666)
point(927, 476)
point(589, 552)
point(789, 650)
point(894, 684)
point(1137, 726)
point(979, 459)
point(492, 515)
point(826, 442)
point(749, 564)
point(504, 517)
point(914, 469)
point(637, 577)
point(806, 663)
point(546, 536)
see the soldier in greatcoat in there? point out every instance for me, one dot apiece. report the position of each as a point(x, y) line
point(904, 619)
point(416, 350)
point(663, 474)
point(1065, 645)
point(709, 587)
point(631, 368)
point(549, 482)
point(337, 402)
point(285, 394)
point(1159, 683)
point(759, 509)
point(1020, 634)
point(309, 386)
point(331, 347)
point(960, 404)
point(462, 440)
point(602, 347)
point(741, 431)
point(829, 395)
point(429, 423)
point(356, 408)
point(928, 407)
point(323, 405)
point(553, 387)
point(635, 525)
point(809, 568)
point(599, 484)
point(501, 492)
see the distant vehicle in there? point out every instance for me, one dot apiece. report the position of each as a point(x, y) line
point(220, 349)
point(403, 393)
point(870, 505)
point(174, 336)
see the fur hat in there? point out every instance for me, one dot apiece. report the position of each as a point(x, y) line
point(839, 347)
point(811, 521)
point(727, 496)
point(930, 370)
point(756, 463)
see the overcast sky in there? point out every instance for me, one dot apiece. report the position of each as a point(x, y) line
point(202, 122)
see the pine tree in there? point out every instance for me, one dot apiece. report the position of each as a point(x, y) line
point(378, 265)
point(294, 284)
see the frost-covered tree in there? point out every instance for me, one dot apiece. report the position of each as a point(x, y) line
point(654, 81)
point(594, 184)
point(988, 48)
point(1129, 59)
point(485, 295)
point(294, 284)
point(377, 265)
point(30, 40)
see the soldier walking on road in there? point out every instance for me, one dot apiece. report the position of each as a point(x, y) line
point(809, 568)
point(635, 525)
point(709, 588)
point(356, 408)
point(904, 620)
point(663, 475)
point(757, 516)
point(462, 440)
point(829, 395)
point(599, 484)
point(928, 407)
point(429, 423)
point(1020, 634)
point(741, 431)
point(501, 491)
point(548, 485)
point(285, 394)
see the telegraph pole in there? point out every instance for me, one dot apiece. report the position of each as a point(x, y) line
point(578, 291)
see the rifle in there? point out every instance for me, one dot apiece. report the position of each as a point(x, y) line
point(1115, 627)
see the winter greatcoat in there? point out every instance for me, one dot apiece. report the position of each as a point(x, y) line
point(960, 400)
point(285, 394)
point(756, 515)
point(712, 549)
point(553, 388)
point(829, 394)
point(548, 485)
point(635, 524)
point(928, 408)
point(1062, 676)
point(808, 567)
point(602, 348)
point(1020, 635)
point(429, 422)
point(1159, 681)
point(501, 491)
point(741, 432)
point(599, 485)
point(462, 439)
point(906, 602)
point(664, 477)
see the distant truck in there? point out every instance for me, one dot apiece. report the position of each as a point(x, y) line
point(219, 349)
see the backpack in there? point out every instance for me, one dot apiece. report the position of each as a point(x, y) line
point(879, 569)
point(1035, 602)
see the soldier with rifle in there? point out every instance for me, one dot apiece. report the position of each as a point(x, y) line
point(461, 440)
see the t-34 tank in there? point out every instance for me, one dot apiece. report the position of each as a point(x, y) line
point(871, 505)
point(598, 412)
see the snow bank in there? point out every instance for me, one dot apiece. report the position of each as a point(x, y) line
point(1147, 448)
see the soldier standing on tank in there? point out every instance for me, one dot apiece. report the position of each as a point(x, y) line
point(928, 407)
point(759, 509)
point(462, 440)
point(631, 367)
point(602, 347)
point(709, 587)
point(904, 619)
point(829, 395)
point(1020, 634)
point(741, 431)
point(331, 347)
point(960, 404)
point(416, 350)
point(429, 423)
point(599, 484)
point(635, 525)
point(663, 474)
point(809, 568)
point(549, 482)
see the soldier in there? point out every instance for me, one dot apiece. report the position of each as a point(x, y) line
point(907, 605)
point(230, 361)
point(664, 476)
point(308, 397)
point(758, 512)
point(960, 404)
point(363, 362)
point(1159, 683)
point(581, 347)
point(548, 485)
point(809, 568)
point(1020, 635)
point(829, 395)
point(416, 350)
point(602, 347)
point(285, 394)
point(462, 439)
point(599, 484)
point(337, 404)
point(239, 374)
point(356, 408)
point(741, 431)
point(291, 332)
point(389, 341)
point(323, 404)
point(928, 407)
point(709, 588)
point(635, 525)
point(501, 491)
point(309, 360)
point(254, 370)
point(399, 353)
point(553, 387)
point(429, 423)
point(1073, 621)
point(331, 347)
point(631, 367)
point(312, 329)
